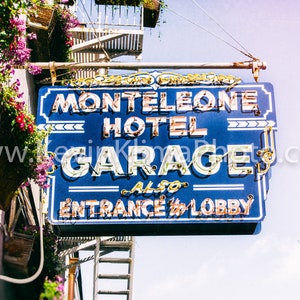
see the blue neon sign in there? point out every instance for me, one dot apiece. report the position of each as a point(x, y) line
point(134, 156)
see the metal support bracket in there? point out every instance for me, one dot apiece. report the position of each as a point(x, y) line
point(52, 69)
point(255, 70)
point(268, 153)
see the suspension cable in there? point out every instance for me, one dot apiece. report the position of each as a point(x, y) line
point(211, 33)
point(223, 29)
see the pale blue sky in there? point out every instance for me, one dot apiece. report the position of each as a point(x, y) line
point(267, 265)
point(263, 266)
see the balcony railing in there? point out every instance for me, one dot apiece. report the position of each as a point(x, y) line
point(109, 16)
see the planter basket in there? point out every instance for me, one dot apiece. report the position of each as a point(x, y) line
point(17, 251)
point(151, 14)
point(43, 25)
point(44, 18)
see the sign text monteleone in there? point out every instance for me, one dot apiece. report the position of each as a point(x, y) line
point(156, 159)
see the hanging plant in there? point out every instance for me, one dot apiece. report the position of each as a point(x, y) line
point(151, 12)
point(51, 24)
point(13, 34)
point(23, 153)
point(65, 21)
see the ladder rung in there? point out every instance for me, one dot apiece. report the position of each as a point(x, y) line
point(114, 292)
point(115, 260)
point(113, 276)
point(116, 244)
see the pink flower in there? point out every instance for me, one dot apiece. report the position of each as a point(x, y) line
point(41, 171)
point(59, 279)
point(20, 118)
point(30, 128)
point(32, 36)
point(34, 70)
point(20, 105)
point(19, 24)
point(20, 95)
point(22, 126)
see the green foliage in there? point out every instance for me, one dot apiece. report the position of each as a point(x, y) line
point(53, 289)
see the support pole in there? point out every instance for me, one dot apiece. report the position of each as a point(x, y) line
point(71, 279)
point(151, 65)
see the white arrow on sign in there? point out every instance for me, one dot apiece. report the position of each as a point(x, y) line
point(63, 127)
point(69, 126)
point(232, 124)
point(252, 123)
point(242, 124)
point(248, 124)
